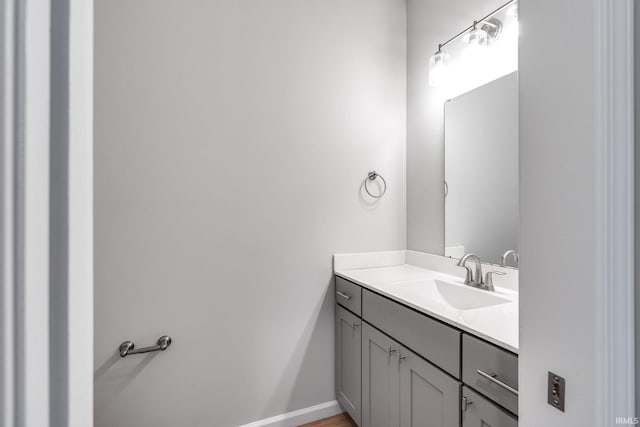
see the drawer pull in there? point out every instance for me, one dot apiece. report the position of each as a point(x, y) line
point(465, 403)
point(493, 378)
point(343, 295)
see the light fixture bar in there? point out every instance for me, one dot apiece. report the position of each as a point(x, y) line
point(470, 27)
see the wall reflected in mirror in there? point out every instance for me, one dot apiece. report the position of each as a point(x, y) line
point(481, 172)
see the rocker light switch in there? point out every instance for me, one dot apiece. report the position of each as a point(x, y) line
point(555, 391)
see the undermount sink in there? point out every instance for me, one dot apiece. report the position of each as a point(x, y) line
point(457, 296)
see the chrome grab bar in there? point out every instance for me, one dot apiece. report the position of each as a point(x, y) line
point(343, 295)
point(127, 347)
point(493, 378)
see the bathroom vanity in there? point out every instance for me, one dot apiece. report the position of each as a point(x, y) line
point(417, 347)
point(424, 340)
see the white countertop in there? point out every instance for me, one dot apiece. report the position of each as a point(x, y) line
point(497, 323)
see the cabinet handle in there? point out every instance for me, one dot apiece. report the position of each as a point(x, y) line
point(355, 324)
point(493, 378)
point(401, 358)
point(343, 295)
point(392, 350)
point(465, 403)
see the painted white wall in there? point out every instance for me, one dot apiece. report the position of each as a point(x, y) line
point(231, 140)
point(481, 169)
point(576, 119)
point(557, 170)
point(430, 22)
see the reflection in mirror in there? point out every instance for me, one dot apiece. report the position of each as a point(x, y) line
point(481, 173)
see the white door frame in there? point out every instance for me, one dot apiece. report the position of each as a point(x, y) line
point(615, 299)
point(29, 299)
point(25, 208)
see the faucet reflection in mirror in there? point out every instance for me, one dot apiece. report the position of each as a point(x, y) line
point(488, 50)
point(514, 254)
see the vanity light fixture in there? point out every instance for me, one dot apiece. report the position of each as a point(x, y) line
point(438, 67)
point(474, 41)
point(475, 37)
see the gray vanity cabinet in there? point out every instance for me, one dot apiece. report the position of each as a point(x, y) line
point(428, 397)
point(401, 389)
point(349, 362)
point(397, 367)
point(480, 412)
point(380, 379)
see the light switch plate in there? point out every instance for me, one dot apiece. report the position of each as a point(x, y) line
point(555, 391)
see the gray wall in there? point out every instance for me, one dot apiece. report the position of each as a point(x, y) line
point(231, 141)
point(429, 22)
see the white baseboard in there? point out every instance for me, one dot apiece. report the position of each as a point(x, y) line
point(301, 416)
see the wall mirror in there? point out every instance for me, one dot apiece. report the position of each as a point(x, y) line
point(481, 172)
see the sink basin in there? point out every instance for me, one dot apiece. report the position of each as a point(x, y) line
point(457, 296)
point(493, 320)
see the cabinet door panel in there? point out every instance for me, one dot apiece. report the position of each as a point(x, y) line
point(349, 362)
point(380, 379)
point(428, 397)
point(480, 412)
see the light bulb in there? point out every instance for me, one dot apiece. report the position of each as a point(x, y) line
point(476, 42)
point(475, 37)
point(438, 68)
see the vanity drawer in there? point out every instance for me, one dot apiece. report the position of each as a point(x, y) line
point(349, 295)
point(431, 339)
point(480, 412)
point(481, 360)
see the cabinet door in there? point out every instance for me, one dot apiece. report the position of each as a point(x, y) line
point(349, 362)
point(480, 412)
point(428, 396)
point(380, 379)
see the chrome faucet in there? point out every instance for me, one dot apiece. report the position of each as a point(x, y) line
point(513, 253)
point(472, 279)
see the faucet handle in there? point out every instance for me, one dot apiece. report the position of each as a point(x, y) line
point(468, 278)
point(488, 279)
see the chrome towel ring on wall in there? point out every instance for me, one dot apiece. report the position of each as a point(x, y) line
point(372, 176)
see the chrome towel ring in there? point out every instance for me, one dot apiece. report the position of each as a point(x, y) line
point(372, 176)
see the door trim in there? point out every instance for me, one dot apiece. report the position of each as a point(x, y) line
point(27, 327)
point(24, 180)
point(614, 206)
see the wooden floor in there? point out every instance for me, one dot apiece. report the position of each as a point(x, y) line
point(342, 420)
